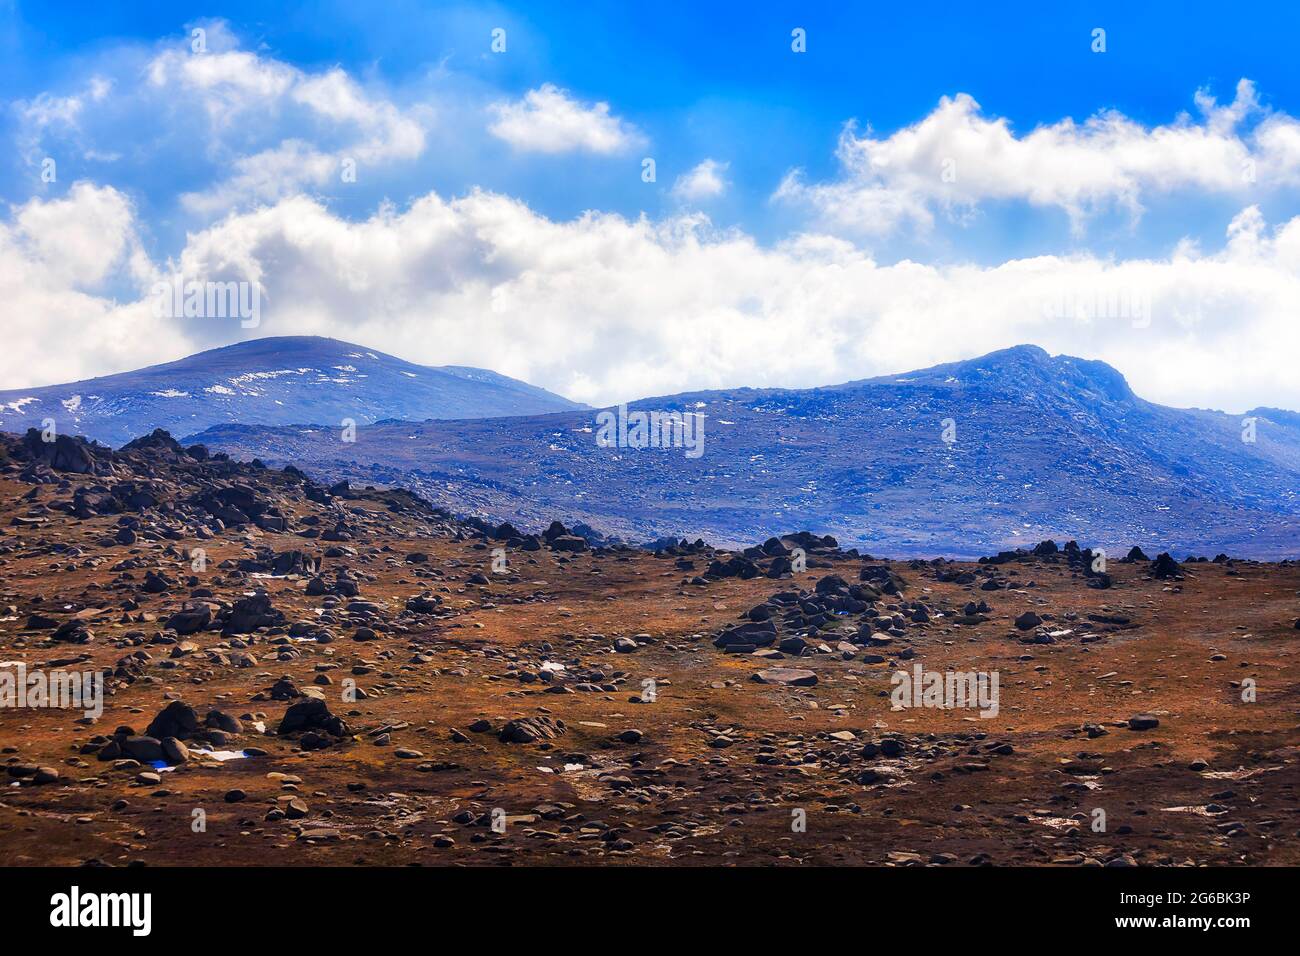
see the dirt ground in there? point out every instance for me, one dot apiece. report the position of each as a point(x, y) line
point(722, 769)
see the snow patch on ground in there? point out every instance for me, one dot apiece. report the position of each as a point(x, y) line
point(72, 404)
point(171, 393)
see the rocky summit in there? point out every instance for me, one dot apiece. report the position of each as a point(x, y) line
point(335, 673)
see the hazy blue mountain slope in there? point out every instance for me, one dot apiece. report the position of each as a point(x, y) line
point(1044, 447)
point(271, 381)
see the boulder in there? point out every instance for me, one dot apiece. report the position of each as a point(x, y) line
point(145, 749)
point(174, 751)
point(73, 632)
point(293, 562)
point(568, 542)
point(753, 633)
point(190, 619)
point(220, 720)
point(250, 613)
point(423, 603)
point(527, 730)
point(1164, 566)
point(177, 719)
point(311, 713)
point(789, 676)
point(156, 582)
point(64, 453)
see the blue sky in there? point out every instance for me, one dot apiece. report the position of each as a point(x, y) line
point(838, 151)
point(722, 82)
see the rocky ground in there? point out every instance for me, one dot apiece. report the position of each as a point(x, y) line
point(400, 687)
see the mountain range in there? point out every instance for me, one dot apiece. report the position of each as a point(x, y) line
point(271, 381)
point(961, 459)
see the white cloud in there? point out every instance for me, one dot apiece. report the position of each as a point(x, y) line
point(705, 181)
point(265, 177)
point(76, 241)
point(230, 82)
point(956, 158)
point(266, 129)
point(548, 120)
point(388, 132)
point(57, 260)
point(232, 86)
point(49, 112)
point(603, 308)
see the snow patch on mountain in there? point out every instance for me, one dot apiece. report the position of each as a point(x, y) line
point(273, 381)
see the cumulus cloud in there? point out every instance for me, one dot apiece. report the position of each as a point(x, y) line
point(230, 83)
point(705, 181)
point(266, 176)
point(549, 120)
point(47, 111)
point(264, 128)
point(60, 262)
point(957, 157)
point(603, 308)
point(76, 241)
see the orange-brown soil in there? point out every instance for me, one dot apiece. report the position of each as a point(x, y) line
point(680, 794)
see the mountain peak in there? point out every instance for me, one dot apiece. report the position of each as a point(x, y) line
point(1095, 375)
point(277, 380)
point(1021, 353)
point(284, 346)
point(1032, 367)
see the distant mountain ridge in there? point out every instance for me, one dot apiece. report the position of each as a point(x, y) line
point(1040, 447)
point(272, 381)
point(1279, 415)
